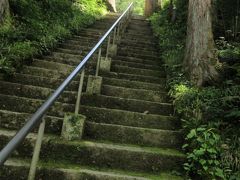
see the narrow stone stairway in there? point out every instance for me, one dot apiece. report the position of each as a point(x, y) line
point(130, 132)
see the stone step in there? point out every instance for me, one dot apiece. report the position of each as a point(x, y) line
point(135, 65)
point(138, 60)
point(141, 51)
point(35, 92)
point(133, 135)
point(44, 72)
point(28, 105)
point(47, 82)
point(136, 44)
point(127, 104)
point(133, 77)
point(133, 41)
point(130, 93)
point(70, 57)
point(128, 118)
point(137, 55)
point(104, 155)
point(137, 71)
point(15, 121)
point(15, 168)
point(134, 84)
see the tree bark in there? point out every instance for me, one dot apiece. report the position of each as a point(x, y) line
point(150, 7)
point(111, 5)
point(4, 10)
point(200, 55)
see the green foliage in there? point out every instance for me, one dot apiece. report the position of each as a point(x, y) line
point(35, 27)
point(139, 5)
point(210, 115)
point(203, 153)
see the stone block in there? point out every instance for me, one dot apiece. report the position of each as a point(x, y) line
point(73, 126)
point(94, 84)
point(105, 64)
point(112, 50)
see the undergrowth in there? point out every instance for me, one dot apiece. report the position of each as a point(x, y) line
point(34, 27)
point(210, 115)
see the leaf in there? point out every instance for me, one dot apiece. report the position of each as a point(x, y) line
point(192, 134)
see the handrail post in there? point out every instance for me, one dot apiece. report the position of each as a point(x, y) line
point(77, 107)
point(98, 61)
point(36, 152)
point(108, 46)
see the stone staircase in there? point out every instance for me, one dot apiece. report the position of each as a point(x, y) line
point(130, 132)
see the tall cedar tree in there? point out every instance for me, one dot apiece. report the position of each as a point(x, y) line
point(4, 10)
point(200, 55)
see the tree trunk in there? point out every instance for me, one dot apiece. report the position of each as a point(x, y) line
point(150, 7)
point(4, 10)
point(111, 5)
point(200, 55)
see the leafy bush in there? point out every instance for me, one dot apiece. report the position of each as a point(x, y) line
point(36, 26)
point(210, 115)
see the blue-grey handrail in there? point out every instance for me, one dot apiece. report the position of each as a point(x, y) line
point(37, 116)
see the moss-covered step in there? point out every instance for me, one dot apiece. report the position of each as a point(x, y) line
point(123, 92)
point(137, 55)
point(133, 135)
point(138, 71)
point(15, 121)
point(35, 92)
point(136, 44)
point(104, 155)
point(134, 84)
point(141, 51)
point(60, 55)
point(74, 52)
point(19, 168)
point(55, 74)
point(117, 61)
point(47, 82)
point(139, 60)
point(128, 118)
point(89, 46)
point(27, 105)
point(134, 77)
point(127, 104)
point(137, 41)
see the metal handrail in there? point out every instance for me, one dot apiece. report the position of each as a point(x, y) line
point(36, 118)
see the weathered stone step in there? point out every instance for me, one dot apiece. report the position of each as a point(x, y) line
point(28, 105)
point(127, 104)
point(137, 55)
point(137, 71)
point(134, 84)
point(138, 50)
point(15, 168)
point(35, 92)
point(149, 49)
point(128, 118)
point(133, 77)
point(138, 60)
point(134, 41)
point(60, 55)
point(66, 45)
point(47, 82)
point(15, 120)
point(133, 135)
point(44, 72)
point(136, 44)
point(116, 61)
point(130, 93)
point(131, 158)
